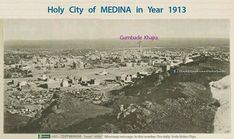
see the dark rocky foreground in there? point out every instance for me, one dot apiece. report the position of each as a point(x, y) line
point(174, 102)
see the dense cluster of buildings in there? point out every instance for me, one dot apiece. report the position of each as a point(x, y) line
point(24, 102)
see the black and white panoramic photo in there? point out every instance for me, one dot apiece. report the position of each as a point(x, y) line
point(117, 76)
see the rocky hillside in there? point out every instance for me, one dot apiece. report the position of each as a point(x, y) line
point(174, 102)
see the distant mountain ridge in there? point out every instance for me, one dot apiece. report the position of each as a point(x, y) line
point(115, 43)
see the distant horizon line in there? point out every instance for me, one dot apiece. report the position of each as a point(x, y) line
point(116, 39)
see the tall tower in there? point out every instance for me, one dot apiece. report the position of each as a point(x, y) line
point(139, 46)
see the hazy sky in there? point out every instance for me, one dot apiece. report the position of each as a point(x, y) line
point(66, 29)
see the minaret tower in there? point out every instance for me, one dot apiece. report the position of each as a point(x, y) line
point(139, 46)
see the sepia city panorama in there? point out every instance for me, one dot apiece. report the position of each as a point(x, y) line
point(116, 76)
